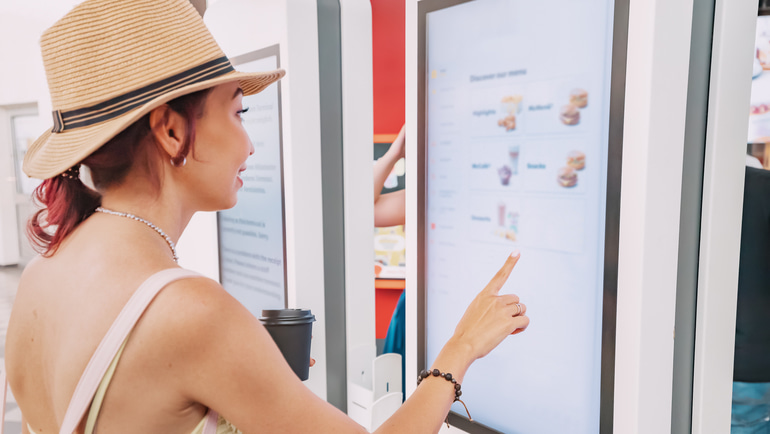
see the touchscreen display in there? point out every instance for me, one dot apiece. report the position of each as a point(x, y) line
point(759, 116)
point(517, 110)
point(251, 235)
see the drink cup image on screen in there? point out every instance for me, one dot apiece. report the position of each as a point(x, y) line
point(507, 223)
point(513, 221)
point(513, 154)
point(509, 232)
point(292, 330)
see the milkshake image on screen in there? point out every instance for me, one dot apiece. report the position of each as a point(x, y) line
point(505, 175)
point(513, 154)
point(501, 214)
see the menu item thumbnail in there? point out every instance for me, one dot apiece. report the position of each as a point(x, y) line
point(570, 115)
point(567, 177)
point(578, 98)
point(508, 223)
point(512, 104)
point(506, 234)
point(508, 122)
point(513, 154)
point(505, 175)
point(576, 160)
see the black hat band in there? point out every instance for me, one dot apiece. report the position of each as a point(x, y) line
point(122, 104)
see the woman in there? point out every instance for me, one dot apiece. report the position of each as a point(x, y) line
point(146, 100)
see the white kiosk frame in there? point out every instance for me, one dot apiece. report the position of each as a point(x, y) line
point(657, 103)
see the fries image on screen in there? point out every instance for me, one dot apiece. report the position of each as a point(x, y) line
point(511, 106)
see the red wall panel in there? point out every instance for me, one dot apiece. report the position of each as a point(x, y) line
point(388, 30)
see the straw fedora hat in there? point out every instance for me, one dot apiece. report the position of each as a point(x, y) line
point(110, 62)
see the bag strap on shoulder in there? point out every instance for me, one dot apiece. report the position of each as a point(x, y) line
point(110, 344)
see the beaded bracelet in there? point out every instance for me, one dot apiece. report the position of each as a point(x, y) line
point(448, 377)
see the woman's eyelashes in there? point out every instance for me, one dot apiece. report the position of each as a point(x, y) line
point(242, 111)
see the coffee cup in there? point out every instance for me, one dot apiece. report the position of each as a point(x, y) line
point(291, 329)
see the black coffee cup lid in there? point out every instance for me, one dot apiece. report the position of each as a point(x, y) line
point(286, 316)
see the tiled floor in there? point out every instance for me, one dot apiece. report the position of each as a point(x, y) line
point(9, 280)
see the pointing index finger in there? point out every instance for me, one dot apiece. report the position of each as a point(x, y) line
point(502, 275)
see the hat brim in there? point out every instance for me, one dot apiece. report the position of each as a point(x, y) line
point(52, 154)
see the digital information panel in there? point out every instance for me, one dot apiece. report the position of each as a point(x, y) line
point(252, 247)
point(516, 104)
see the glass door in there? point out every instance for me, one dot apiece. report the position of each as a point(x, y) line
point(25, 128)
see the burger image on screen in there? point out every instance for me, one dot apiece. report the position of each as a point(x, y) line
point(578, 98)
point(567, 177)
point(569, 115)
point(576, 160)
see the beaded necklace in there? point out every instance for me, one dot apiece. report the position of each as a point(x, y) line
point(150, 224)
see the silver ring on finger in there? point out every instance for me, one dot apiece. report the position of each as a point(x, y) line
point(518, 305)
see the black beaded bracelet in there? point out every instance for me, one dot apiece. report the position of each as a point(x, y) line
point(448, 377)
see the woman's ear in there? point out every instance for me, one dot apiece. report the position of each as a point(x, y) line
point(168, 128)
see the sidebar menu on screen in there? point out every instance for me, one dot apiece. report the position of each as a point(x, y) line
point(517, 129)
point(251, 235)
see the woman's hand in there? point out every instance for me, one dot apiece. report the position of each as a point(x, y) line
point(491, 317)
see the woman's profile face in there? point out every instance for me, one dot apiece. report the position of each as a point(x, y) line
point(220, 151)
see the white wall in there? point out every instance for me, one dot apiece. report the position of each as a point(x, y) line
point(9, 236)
point(22, 77)
point(22, 81)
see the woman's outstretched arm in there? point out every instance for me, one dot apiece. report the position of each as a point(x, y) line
point(226, 360)
point(384, 165)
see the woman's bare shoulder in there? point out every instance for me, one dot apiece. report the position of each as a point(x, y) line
point(190, 311)
point(33, 268)
point(188, 298)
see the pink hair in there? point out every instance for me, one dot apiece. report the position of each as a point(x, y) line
point(66, 202)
